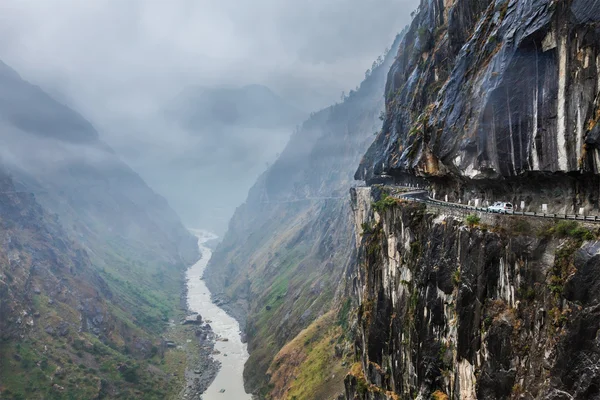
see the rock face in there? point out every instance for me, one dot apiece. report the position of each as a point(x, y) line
point(284, 256)
point(487, 95)
point(486, 100)
point(504, 309)
point(37, 259)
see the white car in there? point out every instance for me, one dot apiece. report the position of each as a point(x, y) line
point(500, 207)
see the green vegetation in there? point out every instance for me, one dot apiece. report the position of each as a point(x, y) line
point(504, 10)
point(385, 202)
point(77, 370)
point(423, 33)
point(573, 230)
point(416, 249)
point(310, 362)
point(373, 244)
point(275, 289)
point(472, 220)
point(344, 314)
point(519, 225)
point(81, 365)
point(566, 229)
point(367, 229)
point(456, 278)
point(563, 266)
point(527, 293)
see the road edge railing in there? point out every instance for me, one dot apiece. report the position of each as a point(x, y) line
point(439, 203)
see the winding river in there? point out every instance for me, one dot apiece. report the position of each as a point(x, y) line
point(229, 383)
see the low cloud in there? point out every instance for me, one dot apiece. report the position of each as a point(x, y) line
point(120, 62)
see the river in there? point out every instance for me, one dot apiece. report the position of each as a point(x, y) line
point(233, 353)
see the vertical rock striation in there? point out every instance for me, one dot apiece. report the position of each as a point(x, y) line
point(486, 100)
point(507, 308)
point(485, 94)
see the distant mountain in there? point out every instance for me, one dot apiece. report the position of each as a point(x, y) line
point(221, 140)
point(30, 109)
point(251, 106)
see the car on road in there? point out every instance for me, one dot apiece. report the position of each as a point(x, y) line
point(500, 207)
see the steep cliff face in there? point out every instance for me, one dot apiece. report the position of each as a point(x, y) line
point(285, 252)
point(485, 96)
point(498, 308)
point(487, 100)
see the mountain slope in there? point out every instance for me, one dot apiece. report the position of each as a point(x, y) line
point(281, 262)
point(28, 108)
point(103, 218)
point(64, 331)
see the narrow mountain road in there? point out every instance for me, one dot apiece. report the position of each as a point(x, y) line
point(302, 200)
point(422, 196)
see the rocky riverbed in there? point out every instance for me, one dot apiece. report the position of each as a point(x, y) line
point(216, 370)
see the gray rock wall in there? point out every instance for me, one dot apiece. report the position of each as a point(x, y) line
point(493, 311)
point(494, 90)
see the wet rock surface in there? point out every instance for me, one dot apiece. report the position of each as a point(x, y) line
point(486, 100)
point(485, 92)
point(494, 311)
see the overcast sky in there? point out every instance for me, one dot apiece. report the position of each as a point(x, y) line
point(119, 62)
point(127, 55)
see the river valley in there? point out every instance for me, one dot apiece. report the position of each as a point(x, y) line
point(230, 352)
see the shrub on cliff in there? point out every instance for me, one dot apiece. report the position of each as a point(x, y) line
point(567, 229)
point(472, 220)
point(384, 203)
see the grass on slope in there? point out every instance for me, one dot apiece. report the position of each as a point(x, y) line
point(80, 366)
point(148, 288)
point(307, 367)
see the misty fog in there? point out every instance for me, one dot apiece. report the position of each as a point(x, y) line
point(198, 97)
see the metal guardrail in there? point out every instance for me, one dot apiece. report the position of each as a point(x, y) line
point(429, 200)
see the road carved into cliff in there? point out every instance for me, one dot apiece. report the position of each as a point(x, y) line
point(422, 196)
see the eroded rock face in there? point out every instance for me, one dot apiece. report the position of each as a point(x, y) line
point(489, 90)
point(37, 261)
point(489, 312)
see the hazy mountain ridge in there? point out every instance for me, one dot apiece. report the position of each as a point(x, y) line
point(54, 158)
point(250, 106)
point(30, 109)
